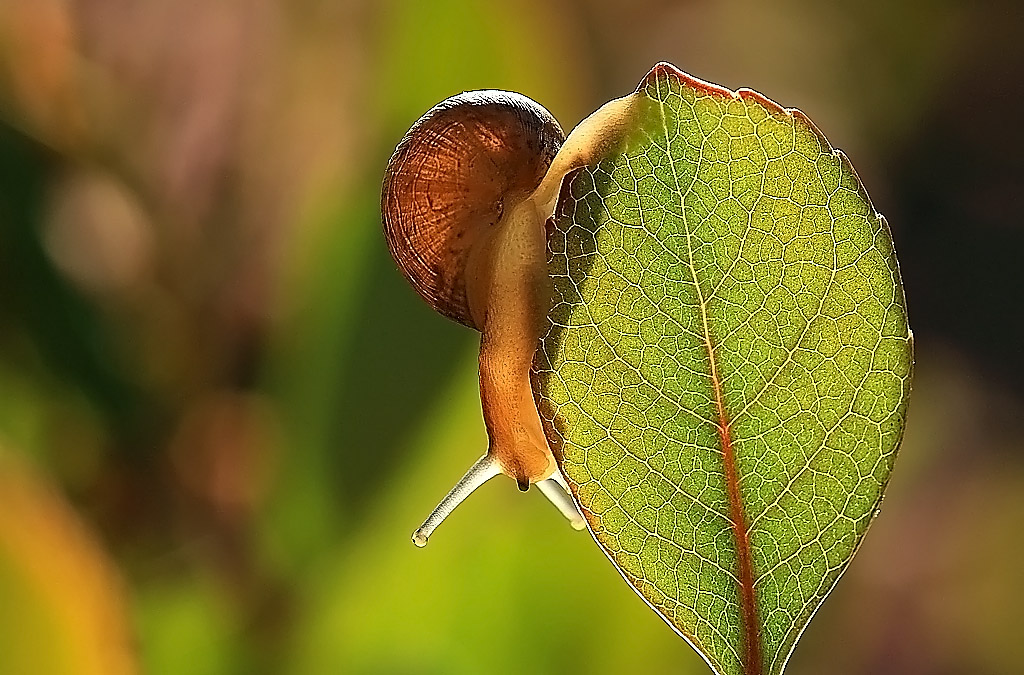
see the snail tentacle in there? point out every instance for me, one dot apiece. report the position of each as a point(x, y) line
point(552, 489)
point(483, 470)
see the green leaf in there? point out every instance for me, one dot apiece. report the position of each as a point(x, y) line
point(726, 371)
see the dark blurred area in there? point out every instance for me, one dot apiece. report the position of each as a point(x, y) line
point(222, 412)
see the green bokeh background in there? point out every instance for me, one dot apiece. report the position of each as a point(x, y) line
point(222, 412)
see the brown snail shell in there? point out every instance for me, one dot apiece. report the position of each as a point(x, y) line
point(448, 183)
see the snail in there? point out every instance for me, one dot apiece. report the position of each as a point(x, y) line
point(464, 204)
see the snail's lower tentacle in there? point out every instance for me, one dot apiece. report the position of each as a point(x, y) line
point(552, 489)
point(560, 479)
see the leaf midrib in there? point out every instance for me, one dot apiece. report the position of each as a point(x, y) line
point(752, 661)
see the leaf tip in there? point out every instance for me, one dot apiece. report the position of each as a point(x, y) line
point(660, 69)
point(663, 70)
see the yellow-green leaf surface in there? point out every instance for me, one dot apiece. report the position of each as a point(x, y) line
point(726, 373)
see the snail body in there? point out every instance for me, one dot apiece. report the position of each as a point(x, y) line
point(464, 203)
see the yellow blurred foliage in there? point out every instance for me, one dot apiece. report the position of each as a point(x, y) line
point(64, 610)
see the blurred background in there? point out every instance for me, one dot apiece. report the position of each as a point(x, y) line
point(222, 412)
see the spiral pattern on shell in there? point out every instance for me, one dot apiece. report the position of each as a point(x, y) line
point(450, 180)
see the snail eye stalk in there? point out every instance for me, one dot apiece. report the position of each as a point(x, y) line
point(482, 471)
